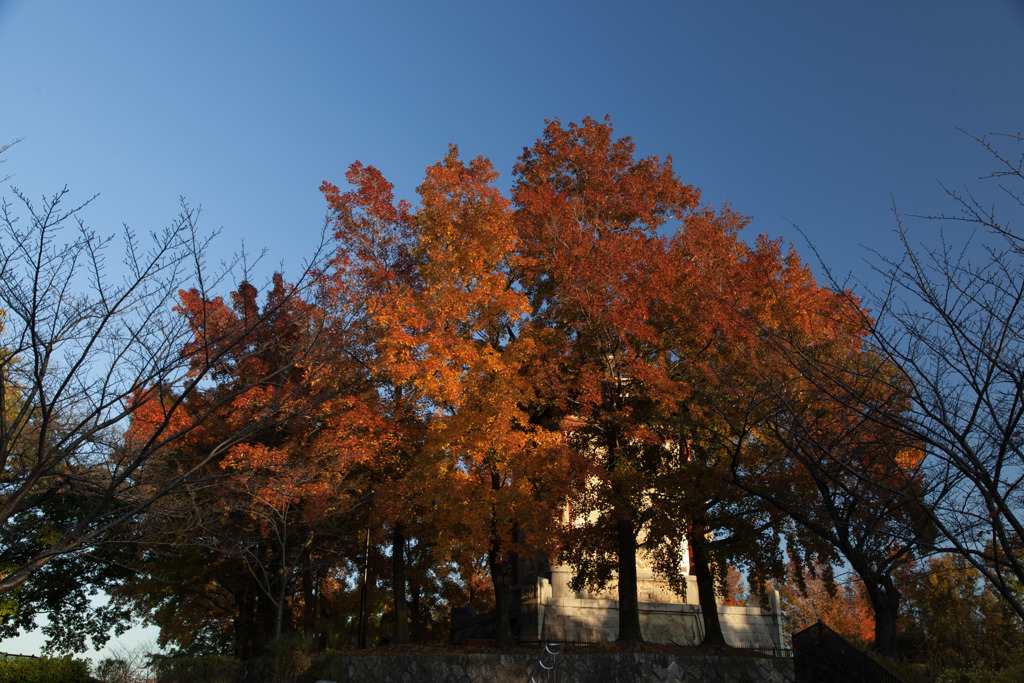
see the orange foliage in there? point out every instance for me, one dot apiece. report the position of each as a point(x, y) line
point(476, 358)
point(447, 357)
point(846, 610)
point(277, 387)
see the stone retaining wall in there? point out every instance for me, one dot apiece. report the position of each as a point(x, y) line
point(572, 668)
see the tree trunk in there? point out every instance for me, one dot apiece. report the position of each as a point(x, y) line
point(501, 603)
point(308, 600)
point(629, 602)
point(498, 578)
point(265, 618)
point(400, 634)
point(245, 624)
point(279, 612)
point(415, 613)
point(885, 602)
point(713, 636)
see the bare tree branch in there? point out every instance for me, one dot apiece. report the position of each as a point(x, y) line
point(86, 342)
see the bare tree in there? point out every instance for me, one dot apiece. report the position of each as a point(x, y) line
point(3, 148)
point(952, 318)
point(127, 665)
point(90, 336)
point(849, 483)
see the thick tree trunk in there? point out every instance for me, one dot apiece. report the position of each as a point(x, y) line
point(498, 577)
point(501, 603)
point(713, 636)
point(282, 606)
point(500, 582)
point(400, 634)
point(266, 618)
point(629, 603)
point(885, 602)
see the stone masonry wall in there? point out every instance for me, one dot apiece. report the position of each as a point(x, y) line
point(572, 668)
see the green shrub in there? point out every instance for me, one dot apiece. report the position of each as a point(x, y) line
point(286, 659)
point(208, 669)
point(44, 670)
point(983, 674)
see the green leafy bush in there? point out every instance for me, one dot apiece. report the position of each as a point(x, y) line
point(286, 659)
point(983, 674)
point(44, 670)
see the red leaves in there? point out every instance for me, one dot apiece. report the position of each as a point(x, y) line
point(461, 332)
point(437, 284)
point(602, 279)
point(579, 175)
point(843, 607)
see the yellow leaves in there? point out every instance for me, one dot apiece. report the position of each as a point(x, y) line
point(910, 459)
point(247, 456)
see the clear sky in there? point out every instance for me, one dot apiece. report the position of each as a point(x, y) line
point(817, 113)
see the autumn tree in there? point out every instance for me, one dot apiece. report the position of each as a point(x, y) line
point(947, 317)
point(797, 444)
point(718, 279)
point(374, 242)
point(374, 239)
point(639, 328)
point(266, 501)
point(449, 349)
point(954, 620)
point(588, 215)
point(504, 466)
point(89, 339)
point(817, 595)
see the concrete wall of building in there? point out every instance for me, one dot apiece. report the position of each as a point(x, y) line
point(548, 610)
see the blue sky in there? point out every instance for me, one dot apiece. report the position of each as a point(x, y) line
point(806, 112)
point(817, 113)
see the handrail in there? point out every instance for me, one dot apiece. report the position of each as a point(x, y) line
point(546, 671)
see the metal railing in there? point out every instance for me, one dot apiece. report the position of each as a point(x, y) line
point(8, 655)
point(779, 652)
point(545, 668)
point(820, 655)
point(564, 641)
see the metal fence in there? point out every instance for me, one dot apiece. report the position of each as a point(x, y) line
point(784, 653)
point(8, 655)
point(542, 643)
point(781, 652)
point(820, 655)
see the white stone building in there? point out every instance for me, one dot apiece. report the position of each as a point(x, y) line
point(545, 608)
